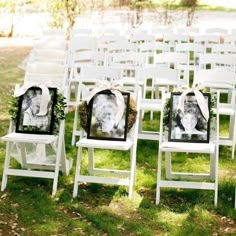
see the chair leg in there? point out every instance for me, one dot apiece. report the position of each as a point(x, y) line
point(77, 172)
point(216, 177)
point(235, 199)
point(233, 137)
point(158, 191)
point(168, 165)
point(132, 172)
point(75, 123)
point(90, 160)
point(6, 165)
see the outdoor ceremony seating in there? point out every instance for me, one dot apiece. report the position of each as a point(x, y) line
point(35, 158)
point(169, 144)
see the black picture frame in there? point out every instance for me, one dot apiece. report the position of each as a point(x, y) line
point(101, 123)
point(27, 120)
point(190, 126)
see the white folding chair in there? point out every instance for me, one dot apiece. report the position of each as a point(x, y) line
point(223, 61)
point(127, 62)
point(188, 31)
point(48, 55)
point(216, 30)
point(90, 75)
point(207, 40)
point(230, 39)
point(108, 176)
point(173, 39)
point(162, 78)
point(152, 48)
point(182, 179)
point(224, 81)
point(37, 161)
point(75, 32)
point(224, 48)
point(175, 60)
point(82, 51)
point(159, 32)
point(139, 38)
point(104, 41)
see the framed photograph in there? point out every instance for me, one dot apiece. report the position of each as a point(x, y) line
point(190, 125)
point(28, 120)
point(103, 122)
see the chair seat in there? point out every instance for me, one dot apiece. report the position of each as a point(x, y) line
point(150, 104)
point(105, 144)
point(188, 147)
point(29, 138)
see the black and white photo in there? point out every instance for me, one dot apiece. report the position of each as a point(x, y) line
point(103, 117)
point(28, 118)
point(188, 125)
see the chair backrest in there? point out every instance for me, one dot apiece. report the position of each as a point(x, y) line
point(188, 30)
point(224, 48)
point(207, 40)
point(230, 39)
point(159, 76)
point(51, 42)
point(169, 58)
point(141, 38)
point(151, 48)
point(110, 31)
point(226, 61)
point(48, 55)
point(94, 74)
point(104, 41)
point(121, 46)
point(80, 32)
point(126, 59)
point(51, 74)
point(173, 39)
point(159, 32)
point(81, 43)
point(216, 30)
point(193, 50)
point(218, 79)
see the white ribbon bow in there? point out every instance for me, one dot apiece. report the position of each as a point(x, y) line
point(113, 86)
point(45, 98)
point(199, 97)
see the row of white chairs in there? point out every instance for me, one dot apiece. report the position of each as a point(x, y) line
point(41, 73)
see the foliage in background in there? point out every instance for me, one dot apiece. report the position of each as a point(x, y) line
point(138, 6)
point(191, 6)
point(10, 7)
point(64, 12)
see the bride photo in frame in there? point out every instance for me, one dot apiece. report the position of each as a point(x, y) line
point(28, 118)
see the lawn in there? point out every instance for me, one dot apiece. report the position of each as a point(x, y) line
point(27, 208)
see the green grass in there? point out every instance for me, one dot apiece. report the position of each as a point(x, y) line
point(27, 208)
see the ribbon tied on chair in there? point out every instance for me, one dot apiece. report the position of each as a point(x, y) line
point(114, 87)
point(45, 96)
point(199, 97)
